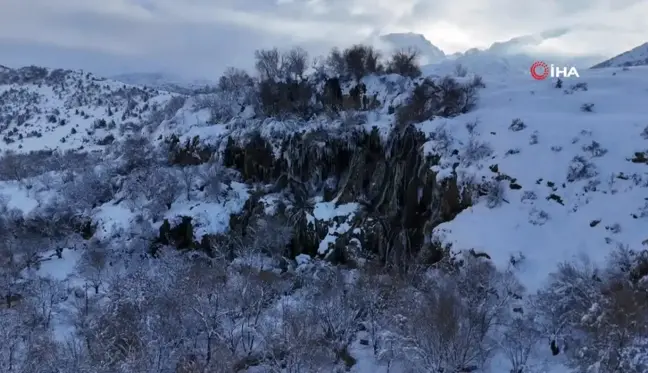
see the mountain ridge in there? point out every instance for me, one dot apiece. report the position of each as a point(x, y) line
point(322, 223)
point(637, 56)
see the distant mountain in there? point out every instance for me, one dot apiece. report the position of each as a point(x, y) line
point(635, 57)
point(521, 44)
point(429, 52)
point(513, 56)
point(163, 82)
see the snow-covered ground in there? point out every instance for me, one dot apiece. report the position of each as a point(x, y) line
point(568, 161)
point(578, 192)
point(63, 109)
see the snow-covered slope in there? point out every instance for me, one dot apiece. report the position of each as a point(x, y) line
point(637, 56)
point(63, 109)
point(536, 173)
point(580, 179)
point(574, 158)
point(573, 152)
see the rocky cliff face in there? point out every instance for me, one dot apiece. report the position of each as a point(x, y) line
point(362, 184)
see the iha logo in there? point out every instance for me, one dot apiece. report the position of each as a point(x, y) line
point(540, 71)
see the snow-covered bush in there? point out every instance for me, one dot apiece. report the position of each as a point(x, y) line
point(597, 316)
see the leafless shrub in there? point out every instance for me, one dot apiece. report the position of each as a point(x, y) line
point(295, 63)
point(447, 324)
point(236, 90)
point(517, 125)
point(495, 193)
point(89, 189)
point(268, 64)
point(456, 98)
point(478, 82)
point(188, 178)
point(269, 236)
point(93, 265)
point(286, 99)
point(580, 169)
point(446, 98)
point(335, 63)
point(154, 190)
point(644, 133)
point(595, 149)
point(335, 309)
point(48, 294)
point(405, 62)
point(212, 178)
point(519, 341)
point(293, 344)
point(13, 166)
point(587, 107)
point(597, 317)
point(460, 70)
point(353, 118)
point(355, 62)
point(476, 149)
point(136, 153)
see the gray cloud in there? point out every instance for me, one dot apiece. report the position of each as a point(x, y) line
point(202, 37)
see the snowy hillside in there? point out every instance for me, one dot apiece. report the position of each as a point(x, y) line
point(162, 81)
point(635, 57)
point(348, 221)
point(575, 155)
point(63, 109)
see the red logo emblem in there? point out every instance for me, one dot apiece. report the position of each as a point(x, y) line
point(539, 70)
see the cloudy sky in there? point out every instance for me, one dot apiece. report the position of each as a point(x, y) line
point(202, 37)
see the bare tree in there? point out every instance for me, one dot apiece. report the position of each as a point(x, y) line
point(519, 340)
point(48, 294)
point(376, 292)
point(13, 166)
point(212, 176)
point(460, 70)
point(295, 63)
point(292, 344)
point(362, 60)
point(189, 175)
point(599, 314)
point(137, 152)
point(336, 310)
point(268, 64)
point(212, 314)
point(236, 90)
point(12, 336)
point(572, 291)
point(447, 321)
point(10, 273)
point(89, 189)
point(93, 265)
point(336, 63)
point(155, 189)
